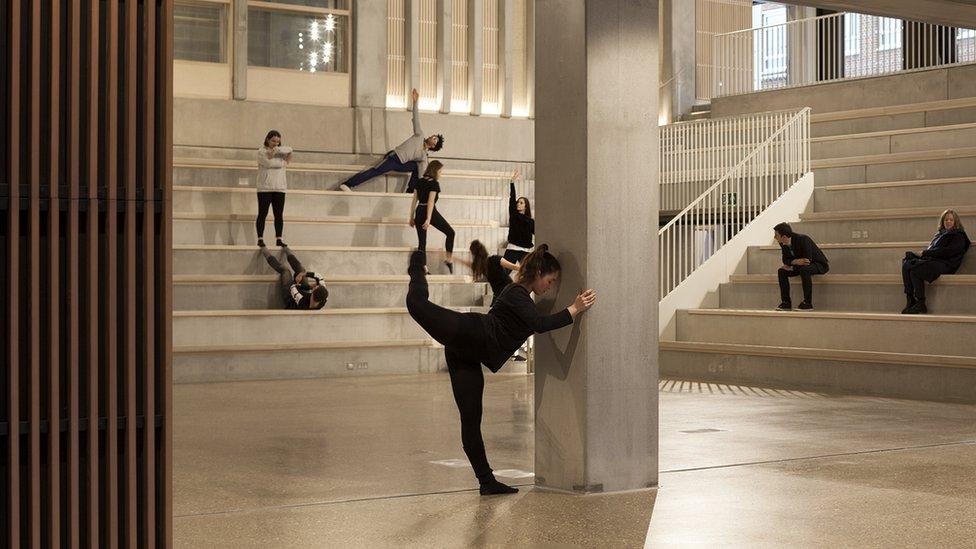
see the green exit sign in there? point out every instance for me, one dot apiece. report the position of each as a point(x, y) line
point(730, 199)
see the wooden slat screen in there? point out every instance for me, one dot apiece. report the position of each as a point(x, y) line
point(85, 431)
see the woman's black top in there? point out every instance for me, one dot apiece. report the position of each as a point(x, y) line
point(424, 188)
point(948, 247)
point(521, 227)
point(497, 276)
point(512, 320)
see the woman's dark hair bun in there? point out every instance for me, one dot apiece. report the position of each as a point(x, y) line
point(544, 247)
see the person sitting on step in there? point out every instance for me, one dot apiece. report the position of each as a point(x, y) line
point(801, 257)
point(943, 256)
point(300, 289)
point(408, 157)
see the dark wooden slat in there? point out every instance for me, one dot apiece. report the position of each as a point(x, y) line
point(111, 277)
point(74, 192)
point(131, 468)
point(54, 329)
point(94, 511)
point(166, 62)
point(149, 231)
point(13, 359)
point(34, 268)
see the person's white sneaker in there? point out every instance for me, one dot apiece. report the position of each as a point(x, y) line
point(345, 188)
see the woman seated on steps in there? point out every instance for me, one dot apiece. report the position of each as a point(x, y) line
point(300, 289)
point(943, 256)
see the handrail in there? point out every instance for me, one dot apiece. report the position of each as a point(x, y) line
point(729, 204)
point(802, 112)
point(833, 47)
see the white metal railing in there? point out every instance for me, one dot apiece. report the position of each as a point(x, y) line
point(762, 174)
point(832, 47)
point(695, 154)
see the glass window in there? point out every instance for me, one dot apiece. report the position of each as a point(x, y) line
point(889, 33)
point(852, 33)
point(200, 32)
point(328, 4)
point(304, 42)
point(962, 34)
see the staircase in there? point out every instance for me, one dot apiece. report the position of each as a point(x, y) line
point(228, 321)
point(883, 176)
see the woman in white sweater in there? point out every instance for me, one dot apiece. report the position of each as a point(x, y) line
point(273, 157)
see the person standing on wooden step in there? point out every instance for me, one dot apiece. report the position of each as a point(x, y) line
point(424, 214)
point(300, 289)
point(408, 157)
point(491, 269)
point(273, 157)
point(943, 256)
point(801, 257)
point(473, 339)
point(521, 226)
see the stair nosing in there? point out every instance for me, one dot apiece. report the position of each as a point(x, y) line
point(220, 313)
point(905, 108)
point(893, 158)
point(254, 248)
point(889, 133)
point(233, 163)
point(304, 346)
point(853, 279)
point(316, 192)
point(329, 279)
point(249, 218)
point(895, 184)
point(833, 355)
point(856, 245)
point(835, 315)
point(889, 213)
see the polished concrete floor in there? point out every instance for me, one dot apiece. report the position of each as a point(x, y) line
point(376, 462)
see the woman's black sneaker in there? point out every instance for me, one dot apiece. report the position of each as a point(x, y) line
point(450, 266)
point(805, 306)
point(785, 306)
point(261, 243)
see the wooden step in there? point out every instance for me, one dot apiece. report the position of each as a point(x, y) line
point(224, 163)
point(888, 133)
point(867, 279)
point(304, 346)
point(897, 184)
point(328, 220)
point(337, 279)
point(893, 213)
point(891, 317)
point(945, 104)
point(894, 158)
point(836, 355)
point(317, 192)
point(861, 245)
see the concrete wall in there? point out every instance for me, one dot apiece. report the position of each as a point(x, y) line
point(243, 124)
point(881, 91)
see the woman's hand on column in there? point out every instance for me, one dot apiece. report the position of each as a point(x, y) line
point(584, 301)
point(516, 175)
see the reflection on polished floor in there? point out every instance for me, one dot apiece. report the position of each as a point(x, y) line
point(376, 462)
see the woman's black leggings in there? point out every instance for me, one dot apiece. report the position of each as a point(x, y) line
point(459, 334)
point(438, 222)
point(285, 277)
point(276, 200)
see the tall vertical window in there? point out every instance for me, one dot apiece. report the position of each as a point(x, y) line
point(200, 32)
point(889, 33)
point(427, 56)
point(310, 40)
point(771, 52)
point(396, 54)
point(852, 33)
point(491, 102)
point(460, 87)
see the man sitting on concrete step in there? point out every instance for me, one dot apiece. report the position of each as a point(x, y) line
point(801, 257)
point(300, 289)
point(408, 157)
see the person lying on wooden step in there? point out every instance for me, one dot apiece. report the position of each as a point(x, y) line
point(300, 289)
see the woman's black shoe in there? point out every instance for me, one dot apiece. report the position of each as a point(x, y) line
point(261, 243)
point(911, 303)
point(917, 309)
point(281, 244)
point(450, 266)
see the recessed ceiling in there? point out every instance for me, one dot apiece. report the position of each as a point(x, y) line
point(959, 13)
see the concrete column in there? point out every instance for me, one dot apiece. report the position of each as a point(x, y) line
point(596, 176)
point(445, 51)
point(677, 58)
point(507, 44)
point(530, 57)
point(476, 52)
point(802, 45)
point(239, 52)
point(369, 74)
point(413, 45)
